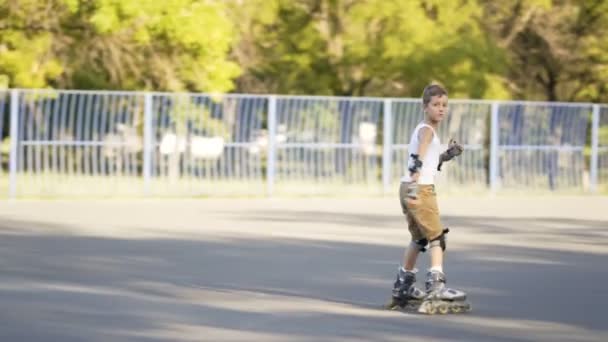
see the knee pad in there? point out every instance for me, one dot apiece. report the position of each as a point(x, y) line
point(420, 244)
point(440, 241)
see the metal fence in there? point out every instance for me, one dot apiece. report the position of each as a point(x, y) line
point(203, 145)
point(4, 131)
point(103, 143)
point(599, 154)
point(326, 142)
point(541, 145)
point(75, 142)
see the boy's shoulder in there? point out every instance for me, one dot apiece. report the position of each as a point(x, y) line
point(423, 127)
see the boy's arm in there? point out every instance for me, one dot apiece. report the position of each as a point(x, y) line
point(454, 150)
point(425, 136)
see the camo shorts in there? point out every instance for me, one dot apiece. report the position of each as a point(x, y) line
point(423, 218)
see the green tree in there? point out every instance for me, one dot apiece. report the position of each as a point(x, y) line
point(170, 45)
point(556, 49)
point(372, 47)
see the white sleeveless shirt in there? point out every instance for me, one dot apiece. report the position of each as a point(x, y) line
point(431, 158)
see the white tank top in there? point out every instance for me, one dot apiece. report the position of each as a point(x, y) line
point(431, 159)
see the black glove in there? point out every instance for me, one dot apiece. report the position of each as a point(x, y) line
point(454, 150)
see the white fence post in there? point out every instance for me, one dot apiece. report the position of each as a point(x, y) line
point(387, 146)
point(272, 140)
point(494, 137)
point(14, 143)
point(595, 132)
point(148, 142)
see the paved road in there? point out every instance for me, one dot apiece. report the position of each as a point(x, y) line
point(296, 270)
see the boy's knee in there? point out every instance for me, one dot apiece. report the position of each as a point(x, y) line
point(419, 244)
point(440, 241)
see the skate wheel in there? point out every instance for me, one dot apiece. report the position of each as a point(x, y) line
point(395, 304)
point(391, 307)
point(431, 309)
point(413, 305)
point(443, 309)
point(456, 309)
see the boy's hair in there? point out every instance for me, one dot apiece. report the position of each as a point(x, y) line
point(432, 90)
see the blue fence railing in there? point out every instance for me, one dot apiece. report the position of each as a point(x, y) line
point(112, 143)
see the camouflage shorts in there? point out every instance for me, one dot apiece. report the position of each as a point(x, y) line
point(423, 218)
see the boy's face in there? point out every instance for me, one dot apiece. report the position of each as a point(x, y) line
point(437, 108)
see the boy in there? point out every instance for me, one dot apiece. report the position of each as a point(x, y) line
point(419, 204)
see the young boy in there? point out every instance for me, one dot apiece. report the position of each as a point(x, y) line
point(419, 204)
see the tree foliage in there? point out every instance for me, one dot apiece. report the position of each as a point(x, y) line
point(556, 50)
point(373, 47)
point(524, 49)
point(117, 44)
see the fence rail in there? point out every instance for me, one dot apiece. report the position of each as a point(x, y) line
point(4, 131)
point(599, 167)
point(542, 145)
point(112, 143)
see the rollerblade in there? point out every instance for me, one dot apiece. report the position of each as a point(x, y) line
point(405, 293)
point(441, 299)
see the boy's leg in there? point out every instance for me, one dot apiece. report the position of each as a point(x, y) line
point(404, 287)
point(410, 255)
point(438, 297)
point(436, 253)
point(418, 242)
point(426, 215)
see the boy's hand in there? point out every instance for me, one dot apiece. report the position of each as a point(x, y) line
point(414, 177)
point(454, 150)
